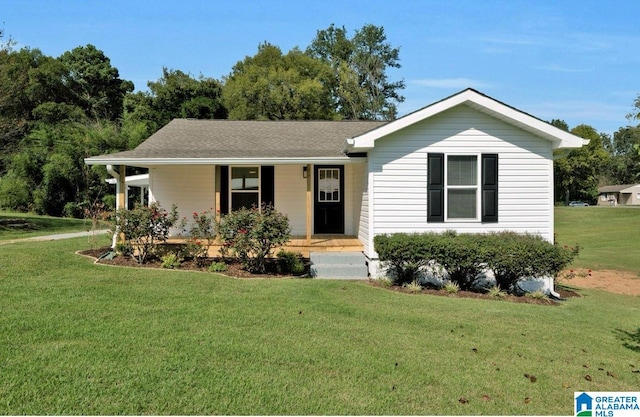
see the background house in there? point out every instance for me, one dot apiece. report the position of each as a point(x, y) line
point(612, 195)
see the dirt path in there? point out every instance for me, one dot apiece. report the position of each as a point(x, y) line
point(613, 281)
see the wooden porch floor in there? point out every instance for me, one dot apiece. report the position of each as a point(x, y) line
point(319, 243)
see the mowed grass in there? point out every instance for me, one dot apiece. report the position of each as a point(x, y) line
point(39, 225)
point(609, 237)
point(79, 338)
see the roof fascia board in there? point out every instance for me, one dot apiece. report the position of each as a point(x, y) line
point(222, 161)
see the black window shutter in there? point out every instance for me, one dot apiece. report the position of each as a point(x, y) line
point(435, 188)
point(224, 189)
point(267, 186)
point(490, 188)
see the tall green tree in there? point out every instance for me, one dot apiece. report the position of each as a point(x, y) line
point(579, 172)
point(276, 86)
point(93, 83)
point(175, 95)
point(625, 158)
point(360, 85)
point(54, 112)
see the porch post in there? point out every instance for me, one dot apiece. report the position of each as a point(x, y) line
point(121, 188)
point(309, 177)
point(217, 192)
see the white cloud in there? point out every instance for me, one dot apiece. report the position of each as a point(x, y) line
point(451, 83)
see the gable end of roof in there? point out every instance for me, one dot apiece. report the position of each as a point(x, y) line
point(483, 103)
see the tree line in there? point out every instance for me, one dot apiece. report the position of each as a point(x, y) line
point(56, 111)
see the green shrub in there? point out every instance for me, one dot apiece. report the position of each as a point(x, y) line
point(451, 287)
point(403, 255)
point(170, 260)
point(15, 193)
point(463, 256)
point(496, 292)
point(73, 210)
point(290, 262)
point(512, 257)
point(538, 295)
point(202, 234)
point(413, 287)
point(251, 234)
point(124, 249)
point(217, 267)
point(145, 227)
point(385, 282)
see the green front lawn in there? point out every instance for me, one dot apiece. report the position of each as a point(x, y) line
point(78, 338)
point(609, 237)
point(38, 225)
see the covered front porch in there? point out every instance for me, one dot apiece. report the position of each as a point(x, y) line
point(316, 243)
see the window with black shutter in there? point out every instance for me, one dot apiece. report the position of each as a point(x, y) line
point(460, 188)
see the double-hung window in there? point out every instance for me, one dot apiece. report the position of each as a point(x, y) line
point(462, 187)
point(244, 187)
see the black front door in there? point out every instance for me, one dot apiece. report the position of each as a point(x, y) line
point(329, 199)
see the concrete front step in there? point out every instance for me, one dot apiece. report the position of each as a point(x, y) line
point(338, 265)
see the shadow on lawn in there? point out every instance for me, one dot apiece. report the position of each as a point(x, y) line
point(630, 340)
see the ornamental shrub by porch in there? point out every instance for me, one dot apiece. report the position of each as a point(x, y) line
point(201, 234)
point(251, 234)
point(144, 227)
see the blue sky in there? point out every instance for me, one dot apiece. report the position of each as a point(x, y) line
point(573, 60)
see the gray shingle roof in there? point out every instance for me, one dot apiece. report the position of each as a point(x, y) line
point(226, 139)
point(615, 188)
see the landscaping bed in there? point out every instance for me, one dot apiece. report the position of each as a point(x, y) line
point(564, 293)
point(234, 269)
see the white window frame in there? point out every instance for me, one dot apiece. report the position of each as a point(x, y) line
point(232, 191)
point(475, 187)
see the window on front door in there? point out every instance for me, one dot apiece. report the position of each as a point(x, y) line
point(328, 185)
point(245, 187)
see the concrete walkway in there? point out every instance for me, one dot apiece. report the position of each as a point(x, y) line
point(56, 237)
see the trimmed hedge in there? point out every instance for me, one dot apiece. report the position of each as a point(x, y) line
point(511, 256)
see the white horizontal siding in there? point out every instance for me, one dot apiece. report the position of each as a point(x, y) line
point(189, 187)
point(291, 196)
point(363, 227)
point(355, 184)
point(399, 186)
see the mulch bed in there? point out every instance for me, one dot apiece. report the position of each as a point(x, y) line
point(236, 270)
point(233, 269)
point(564, 293)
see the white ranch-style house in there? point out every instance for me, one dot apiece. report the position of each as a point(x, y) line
point(467, 163)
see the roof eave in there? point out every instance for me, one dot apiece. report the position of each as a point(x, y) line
point(147, 162)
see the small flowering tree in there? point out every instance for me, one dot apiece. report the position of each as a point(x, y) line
point(144, 227)
point(251, 234)
point(201, 232)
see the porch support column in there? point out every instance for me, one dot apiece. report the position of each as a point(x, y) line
point(217, 187)
point(309, 176)
point(120, 175)
point(121, 188)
